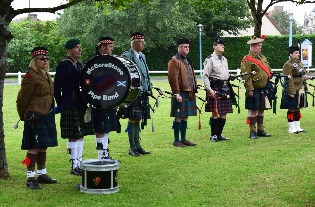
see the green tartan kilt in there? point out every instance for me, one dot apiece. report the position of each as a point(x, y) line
point(42, 137)
point(104, 121)
point(72, 124)
point(257, 101)
point(138, 109)
point(185, 108)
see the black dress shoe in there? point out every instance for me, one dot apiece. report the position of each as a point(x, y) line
point(76, 171)
point(142, 151)
point(222, 138)
point(133, 153)
point(253, 135)
point(263, 134)
point(33, 184)
point(46, 179)
point(214, 138)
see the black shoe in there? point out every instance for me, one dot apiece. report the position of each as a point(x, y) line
point(178, 144)
point(253, 135)
point(189, 143)
point(222, 138)
point(76, 171)
point(106, 155)
point(46, 179)
point(142, 151)
point(133, 153)
point(33, 184)
point(214, 138)
point(263, 134)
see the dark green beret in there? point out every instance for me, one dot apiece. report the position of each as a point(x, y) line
point(72, 43)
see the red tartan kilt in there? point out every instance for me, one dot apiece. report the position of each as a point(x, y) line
point(224, 105)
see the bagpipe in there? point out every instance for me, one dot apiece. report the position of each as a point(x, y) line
point(307, 92)
point(273, 88)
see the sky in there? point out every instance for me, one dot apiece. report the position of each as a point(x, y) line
point(298, 11)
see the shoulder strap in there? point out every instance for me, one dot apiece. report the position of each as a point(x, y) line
point(260, 64)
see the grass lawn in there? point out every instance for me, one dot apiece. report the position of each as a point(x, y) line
point(275, 171)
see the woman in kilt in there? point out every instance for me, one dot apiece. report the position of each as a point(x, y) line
point(71, 104)
point(182, 79)
point(216, 82)
point(294, 94)
point(35, 106)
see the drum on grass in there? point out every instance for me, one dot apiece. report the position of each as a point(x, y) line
point(99, 176)
point(110, 81)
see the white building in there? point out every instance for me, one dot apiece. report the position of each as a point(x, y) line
point(309, 23)
point(268, 28)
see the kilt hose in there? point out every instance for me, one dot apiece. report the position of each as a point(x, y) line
point(257, 101)
point(42, 137)
point(222, 105)
point(104, 121)
point(138, 109)
point(72, 124)
point(185, 108)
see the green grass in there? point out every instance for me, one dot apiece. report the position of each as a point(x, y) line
point(276, 171)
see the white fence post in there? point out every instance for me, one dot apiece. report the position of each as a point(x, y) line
point(19, 77)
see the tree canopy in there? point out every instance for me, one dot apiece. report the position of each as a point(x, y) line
point(281, 19)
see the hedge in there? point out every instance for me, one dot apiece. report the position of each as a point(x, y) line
point(275, 48)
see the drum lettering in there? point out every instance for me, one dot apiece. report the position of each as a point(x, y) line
point(94, 96)
point(112, 97)
point(108, 65)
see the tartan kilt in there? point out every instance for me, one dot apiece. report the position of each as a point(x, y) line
point(293, 103)
point(72, 123)
point(257, 101)
point(224, 105)
point(104, 120)
point(138, 109)
point(42, 137)
point(185, 108)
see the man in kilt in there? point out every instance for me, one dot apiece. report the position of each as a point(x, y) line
point(257, 87)
point(140, 108)
point(216, 81)
point(182, 79)
point(104, 120)
point(71, 103)
point(294, 94)
point(35, 105)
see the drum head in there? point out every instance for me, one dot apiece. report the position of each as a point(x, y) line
point(105, 81)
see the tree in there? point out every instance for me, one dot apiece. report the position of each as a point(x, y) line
point(30, 34)
point(161, 21)
point(258, 12)
point(281, 19)
point(231, 16)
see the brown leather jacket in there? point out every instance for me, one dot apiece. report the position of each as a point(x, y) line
point(36, 93)
point(178, 76)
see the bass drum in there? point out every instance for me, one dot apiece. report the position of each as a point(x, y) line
point(110, 81)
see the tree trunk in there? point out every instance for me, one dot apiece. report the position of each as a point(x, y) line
point(5, 37)
point(258, 24)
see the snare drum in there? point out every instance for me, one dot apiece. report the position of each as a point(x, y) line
point(99, 176)
point(110, 81)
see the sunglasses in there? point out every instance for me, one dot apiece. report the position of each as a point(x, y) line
point(43, 59)
point(185, 46)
